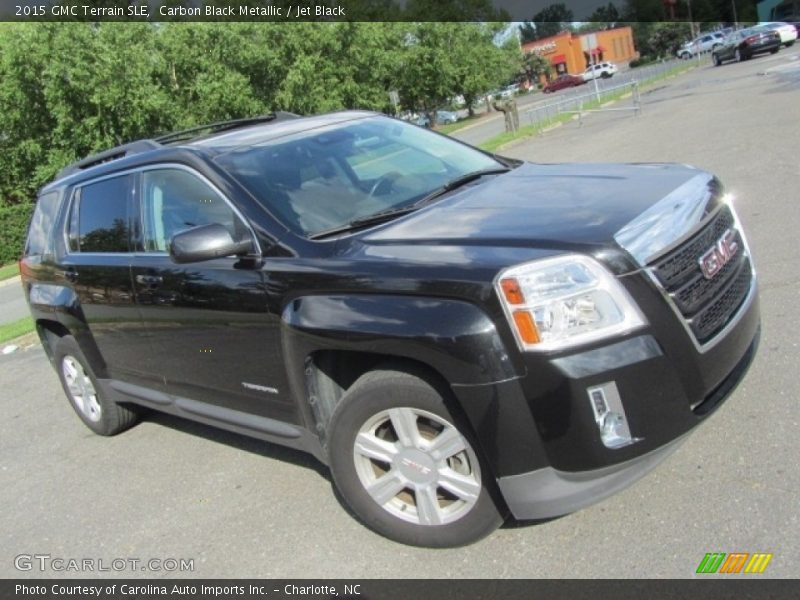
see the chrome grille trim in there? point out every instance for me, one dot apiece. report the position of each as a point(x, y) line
point(671, 220)
point(731, 276)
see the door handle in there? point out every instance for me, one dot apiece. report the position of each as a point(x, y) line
point(151, 281)
point(71, 275)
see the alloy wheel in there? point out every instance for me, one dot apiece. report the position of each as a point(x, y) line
point(81, 389)
point(417, 466)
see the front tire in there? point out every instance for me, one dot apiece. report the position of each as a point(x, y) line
point(406, 467)
point(716, 60)
point(99, 413)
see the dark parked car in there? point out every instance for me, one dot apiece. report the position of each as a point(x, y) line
point(563, 81)
point(459, 336)
point(746, 43)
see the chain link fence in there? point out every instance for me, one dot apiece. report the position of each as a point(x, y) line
point(587, 98)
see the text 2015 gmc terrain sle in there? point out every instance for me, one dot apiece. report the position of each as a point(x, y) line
point(456, 334)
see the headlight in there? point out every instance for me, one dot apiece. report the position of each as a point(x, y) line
point(559, 302)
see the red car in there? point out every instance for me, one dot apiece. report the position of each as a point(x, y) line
point(563, 81)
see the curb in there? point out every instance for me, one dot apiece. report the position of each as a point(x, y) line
point(11, 280)
point(26, 341)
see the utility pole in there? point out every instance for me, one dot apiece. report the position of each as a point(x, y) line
point(589, 44)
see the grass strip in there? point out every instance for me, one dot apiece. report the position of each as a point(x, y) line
point(451, 127)
point(11, 331)
point(8, 271)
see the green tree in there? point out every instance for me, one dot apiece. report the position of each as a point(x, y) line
point(604, 17)
point(667, 37)
point(480, 64)
point(534, 65)
point(549, 21)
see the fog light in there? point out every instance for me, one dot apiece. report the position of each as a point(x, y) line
point(609, 415)
point(613, 429)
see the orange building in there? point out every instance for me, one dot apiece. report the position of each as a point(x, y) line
point(565, 50)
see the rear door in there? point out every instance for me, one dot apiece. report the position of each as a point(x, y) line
point(97, 266)
point(213, 337)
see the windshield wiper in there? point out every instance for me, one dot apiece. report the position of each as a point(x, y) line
point(386, 215)
point(457, 183)
point(373, 219)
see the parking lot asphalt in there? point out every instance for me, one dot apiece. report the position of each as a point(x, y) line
point(238, 507)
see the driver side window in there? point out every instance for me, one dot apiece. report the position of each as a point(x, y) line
point(174, 200)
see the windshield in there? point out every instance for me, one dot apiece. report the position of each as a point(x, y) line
point(327, 177)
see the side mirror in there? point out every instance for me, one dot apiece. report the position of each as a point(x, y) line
point(206, 242)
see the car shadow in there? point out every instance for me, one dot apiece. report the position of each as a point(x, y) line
point(512, 523)
point(282, 453)
point(240, 442)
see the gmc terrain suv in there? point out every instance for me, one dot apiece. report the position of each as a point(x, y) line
point(456, 334)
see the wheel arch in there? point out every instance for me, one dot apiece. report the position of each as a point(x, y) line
point(329, 374)
point(57, 312)
point(330, 341)
point(49, 331)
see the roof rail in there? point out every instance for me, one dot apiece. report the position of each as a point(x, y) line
point(178, 136)
point(220, 126)
point(109, 155)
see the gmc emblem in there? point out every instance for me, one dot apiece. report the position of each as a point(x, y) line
point(719, 255)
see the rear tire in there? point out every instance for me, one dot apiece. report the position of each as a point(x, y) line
point(99, 413)
point(406, 467)
point(775, 51)
point(737, 56)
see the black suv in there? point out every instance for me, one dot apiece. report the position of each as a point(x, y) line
point(456, 334)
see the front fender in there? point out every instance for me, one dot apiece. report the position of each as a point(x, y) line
point(455, 338)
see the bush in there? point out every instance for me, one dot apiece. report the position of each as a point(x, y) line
point(644, 60)
point(13, 230)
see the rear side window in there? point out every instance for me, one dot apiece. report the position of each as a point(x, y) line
point(99, 221)
point(41, 228)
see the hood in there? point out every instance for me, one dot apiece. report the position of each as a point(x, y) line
point(564, 206)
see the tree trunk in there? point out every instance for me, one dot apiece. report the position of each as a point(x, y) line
point(509, 110)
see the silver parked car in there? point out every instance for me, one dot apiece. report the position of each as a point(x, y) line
point(701, 44)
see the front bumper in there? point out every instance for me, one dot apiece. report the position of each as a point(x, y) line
point(539, 434)
point(548, 492)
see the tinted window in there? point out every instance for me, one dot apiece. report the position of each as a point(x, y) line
point(39, 233)
point(174, 200)
point(102, 216)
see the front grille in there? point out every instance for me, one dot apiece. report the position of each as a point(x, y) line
point(707, 305)
point(715, 316)
point(673, 268)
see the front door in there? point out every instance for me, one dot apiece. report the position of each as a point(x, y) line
point(213, 337)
